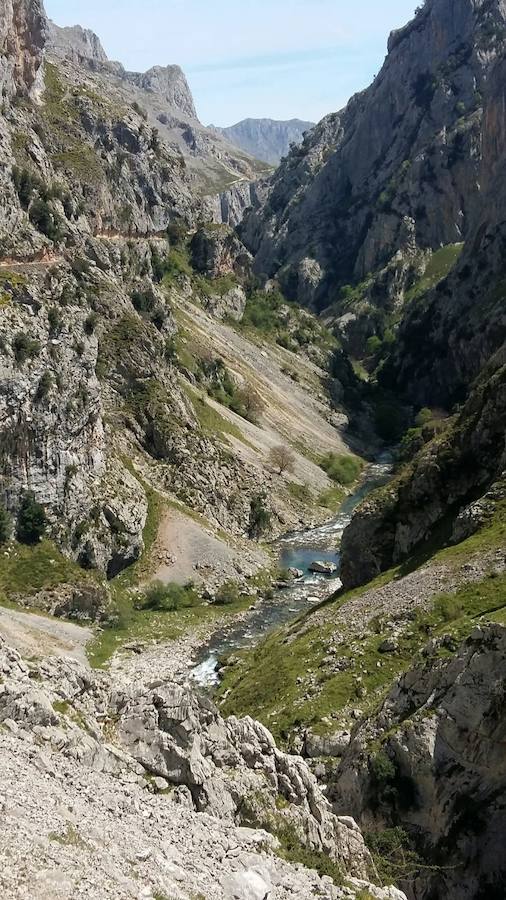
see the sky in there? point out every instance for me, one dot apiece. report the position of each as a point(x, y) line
point(279, 59)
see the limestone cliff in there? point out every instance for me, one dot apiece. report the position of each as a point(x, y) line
point(75, 43)
point(22, 39)
point(449, 335)
point(406, 150)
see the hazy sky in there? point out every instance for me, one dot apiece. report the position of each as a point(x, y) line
point(274, 58)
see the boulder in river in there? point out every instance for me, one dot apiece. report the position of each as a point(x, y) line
point(296, 573)
point(323, 568)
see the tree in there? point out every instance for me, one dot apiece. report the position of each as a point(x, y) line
point(169, 597)
point(251, 403)
point(259, 518)
point(282, 458)
point(31, 520)
point(5, 525)
point(227, 594)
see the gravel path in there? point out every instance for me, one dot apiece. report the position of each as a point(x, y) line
point(39, 636)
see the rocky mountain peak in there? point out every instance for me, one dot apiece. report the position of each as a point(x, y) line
point(75, 43)
point(408, 147)
point(170, 83)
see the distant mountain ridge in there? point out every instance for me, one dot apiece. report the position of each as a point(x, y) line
point(266, 139)
point(164, 98)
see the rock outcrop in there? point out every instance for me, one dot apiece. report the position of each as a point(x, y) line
point(171, 84)
point(22, 40)
point(451, 472)
point(449, 336)
point(439, 735)
point(75, 43)
point(156, 755)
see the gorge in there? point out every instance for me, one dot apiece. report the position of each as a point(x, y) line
point(215, 373)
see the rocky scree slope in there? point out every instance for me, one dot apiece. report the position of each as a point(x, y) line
point(189, 788)
point(266, 139)
point(394, 174)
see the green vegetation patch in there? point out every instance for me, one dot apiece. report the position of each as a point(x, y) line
point(287, 324)
point(342, 468)
point(209, 419)
point(301, 493)
point(271, 681)
point(332, 498)
point(28, 569)
point(440, 265)
point(80, 161)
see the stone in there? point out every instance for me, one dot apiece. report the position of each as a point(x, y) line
point(389, 645)
point(316, 745)
point(323, 568)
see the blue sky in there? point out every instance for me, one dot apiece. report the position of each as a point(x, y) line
point(276, 58)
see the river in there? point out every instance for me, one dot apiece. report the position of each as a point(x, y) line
point(298, 550)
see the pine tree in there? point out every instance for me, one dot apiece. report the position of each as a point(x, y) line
point(5, 525)
point(31, 520)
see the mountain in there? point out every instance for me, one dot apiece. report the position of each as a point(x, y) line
point(75, 43)
point(163, 98)
point(266, 139)
point(379, 186)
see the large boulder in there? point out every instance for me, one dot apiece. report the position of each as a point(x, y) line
point(217, 251)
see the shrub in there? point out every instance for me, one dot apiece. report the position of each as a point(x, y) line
point(169, 597)
point(25, 183)
point(341, 468)
point(5, 525)
point(228, 593)
point(393, 855)
point(248, 404)
point(44, 386)
point(31, 520)
point(24, 347)
point(424, 416)
point(90, 323)
point(373, 345)
point(382, 768)
point(447, 608)
point(55, 320)
point(46, 221)
point(411, 443)
point(259, 518)
point(176, 233)
point(143, 301)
